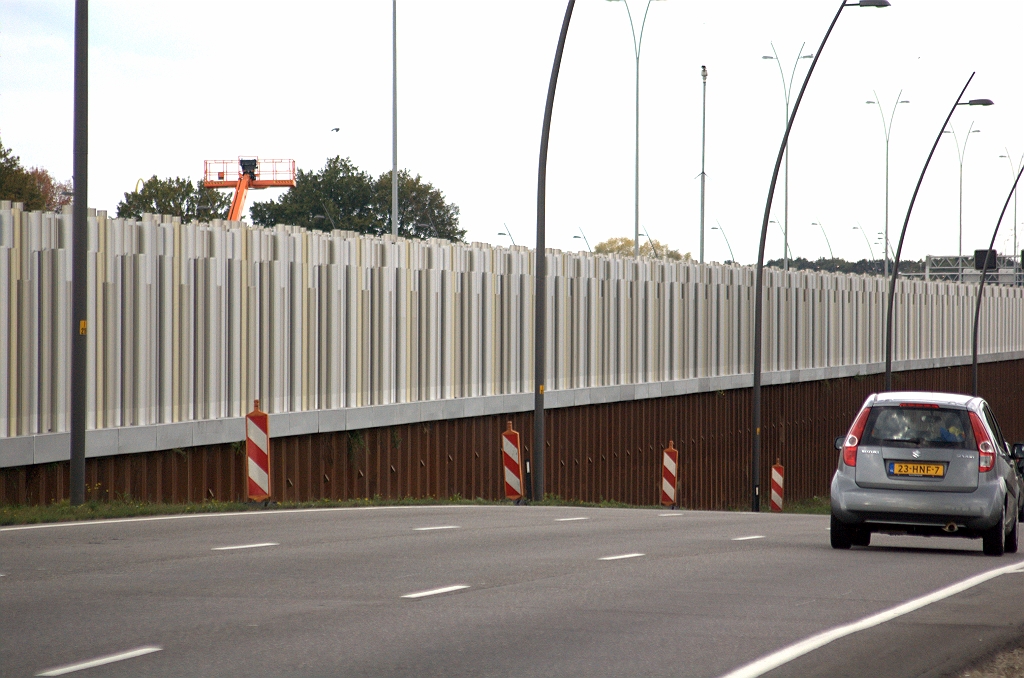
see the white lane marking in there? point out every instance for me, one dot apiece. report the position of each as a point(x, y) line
point(669, 515)
point(753, 536)
point(436, 592)
point(244, 546)
point(233, 514)
point(625, 555)
point(438, 527)
point(109, 659)
point(788, 654)
point(566, 520)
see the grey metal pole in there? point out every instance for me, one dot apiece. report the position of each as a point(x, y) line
point(540, 304)
point(903, 234)
point(755, 429)
point(703, 138)
point(636, 170)
point(394, 117)
point(981, 287)
point(79, 258)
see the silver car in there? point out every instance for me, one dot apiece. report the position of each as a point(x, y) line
point(928, 464)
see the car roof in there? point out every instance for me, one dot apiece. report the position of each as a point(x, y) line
point(954, 399)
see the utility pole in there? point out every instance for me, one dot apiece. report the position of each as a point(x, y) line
point(703, 136)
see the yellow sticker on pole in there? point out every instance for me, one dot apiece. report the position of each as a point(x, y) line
point(81, 326)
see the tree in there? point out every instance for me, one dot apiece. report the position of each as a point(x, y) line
point(344, 197)
point(176, 197)
point(649, 248)
point(338, 196)
point(17, 184)
point(56, 194)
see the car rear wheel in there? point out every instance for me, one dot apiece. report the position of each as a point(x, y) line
point(1010, 545)
point(840, 534)
point(993, 541)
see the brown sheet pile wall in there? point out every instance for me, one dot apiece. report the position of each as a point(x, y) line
point(609, 451)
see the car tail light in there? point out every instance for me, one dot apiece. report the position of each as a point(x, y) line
point(930, 406)
point(986, 450)
point(853, 437)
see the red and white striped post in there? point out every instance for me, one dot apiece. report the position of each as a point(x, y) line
point(669, 475)
point(257, 452)
point(778, 473)
point(512, 461)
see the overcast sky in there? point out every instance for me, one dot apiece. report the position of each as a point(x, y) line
point(175, 83)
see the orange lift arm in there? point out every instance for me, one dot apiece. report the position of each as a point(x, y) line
point(252, 173)
point(241, 189)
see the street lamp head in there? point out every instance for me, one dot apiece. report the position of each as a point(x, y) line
point(874, 3)
point(704, 72)
point(980, 102)
point(767, 57)
point(808, 56)
point(576, 237)
point(871, 102)
point(903, 101)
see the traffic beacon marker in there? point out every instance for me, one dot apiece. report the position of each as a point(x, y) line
point(778, 473)
point(513, 462)
point(257, 453)
point(669, 470)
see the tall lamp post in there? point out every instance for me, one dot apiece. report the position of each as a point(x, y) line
point(818, 224)
point(540, 268)
point(961, 153)
point(394, 117)
point(787, 250)
point(906, 220)
point(79, 255)
point(981, 285)
point(1014, 169)
point(887, 129)
point(868, 242)
point(636, 172)
point(732, 257)
point(584, 237)
point(787, 89)
point(703, 137)
point(755, 429)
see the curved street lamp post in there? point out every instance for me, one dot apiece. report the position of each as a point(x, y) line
point(819, 225)
point(887, 129)
point(755, 457)
point(787, 90)
point(1014, 169)
point(981, 287)
point(870, 249)
point(903, 232)
point(637, 42)
point(732, 257)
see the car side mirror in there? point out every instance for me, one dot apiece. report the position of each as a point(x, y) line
point(840, 439)
point(1018, 451)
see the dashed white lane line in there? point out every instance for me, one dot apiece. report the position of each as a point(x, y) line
point(623, 556)
point(566, 520)
point(753, 536)
point(109, 659)
point(788, 654)
point(436, 592)
point(436, 527)
point(244, 546)
point(669, 515)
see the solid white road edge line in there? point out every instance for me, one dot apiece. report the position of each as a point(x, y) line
point(244, 546)
point(669, 515)
point(566, 520)
point(435, 592)
point(109, 659)
point(753, 536)
point(788, 654)
point(439, 527)
point(279, 512)
point(625, 555)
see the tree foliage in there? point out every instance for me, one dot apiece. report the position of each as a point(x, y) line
point(344, 197)
point(864, 266)
point(176, 197)
point(56, 194)
point(18, 184)
point(648, 248)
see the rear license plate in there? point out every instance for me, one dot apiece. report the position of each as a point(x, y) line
point(900, 468)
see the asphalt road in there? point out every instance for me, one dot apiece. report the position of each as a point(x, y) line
point(324, 593)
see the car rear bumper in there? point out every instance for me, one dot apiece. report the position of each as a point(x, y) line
point(915, 510)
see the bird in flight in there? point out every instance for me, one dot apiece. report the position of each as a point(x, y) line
point(335, 129)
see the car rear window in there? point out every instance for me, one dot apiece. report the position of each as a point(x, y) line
point(918, 427)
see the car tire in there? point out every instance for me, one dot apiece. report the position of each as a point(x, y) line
point(1010, 543)
point(993, 540)
point(840, 534)
point(861, 537)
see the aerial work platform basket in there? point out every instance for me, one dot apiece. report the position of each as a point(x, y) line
point(247, 173)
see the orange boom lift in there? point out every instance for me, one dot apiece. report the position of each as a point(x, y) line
point(252, 173)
